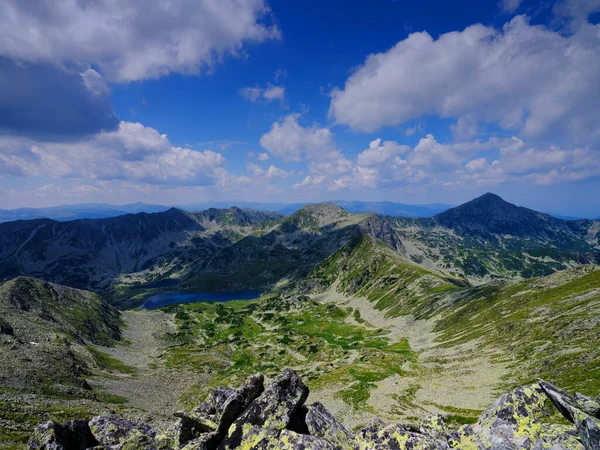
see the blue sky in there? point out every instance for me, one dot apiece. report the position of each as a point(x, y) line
point(414, 102)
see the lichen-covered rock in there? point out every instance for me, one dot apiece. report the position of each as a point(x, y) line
point(206, 441)
point(73, 435)
point(395, 437)
point(271, 410)
point(587, 425)
point(513, 420)
point(587, 404)
point(434, 426)
point(464, 438)
point(112, 430)
point(288, 440)
point(276, 418)
point(321, 423)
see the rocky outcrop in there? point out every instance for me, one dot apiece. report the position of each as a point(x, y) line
point(275, 417)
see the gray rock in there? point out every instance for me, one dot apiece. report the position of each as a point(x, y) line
point(273, 409)
point(395, 437)
point(434, 426)
point(587, 425)
point(321, 423)
point(587, 404)
point(513, 420)
point(288, 440)
point(113, 430)
point(73, 435)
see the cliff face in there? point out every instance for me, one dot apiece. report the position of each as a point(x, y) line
point(276, 417)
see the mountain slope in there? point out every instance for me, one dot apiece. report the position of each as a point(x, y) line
point(44, 328)
point(488, 238)
point(287, 250)
point(491, 215)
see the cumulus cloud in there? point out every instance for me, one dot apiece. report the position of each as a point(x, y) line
point(131, 40)
point(378, 153)
point(271, 173)
point(133, 152)
point(310, 182)
point(490, 162)
point(291, 141)
point(509, 6)
point(530, 79)
point(42, 100)
point(266, 94)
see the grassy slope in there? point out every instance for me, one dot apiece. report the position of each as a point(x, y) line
point(323, 342)
point(548, 327)
point(49, 352)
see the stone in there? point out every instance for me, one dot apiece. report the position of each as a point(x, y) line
point(73, 435)
point(587, 425)
point(587, 404)
point(113, 430)
point(434, 426)
point(321, 423)
point(289, 440)
point(513, 420)
point(395, 437)
point(273, 409)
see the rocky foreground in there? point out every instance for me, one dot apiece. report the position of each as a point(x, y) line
point(276, 417)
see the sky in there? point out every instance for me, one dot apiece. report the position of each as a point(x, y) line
point(177, 102)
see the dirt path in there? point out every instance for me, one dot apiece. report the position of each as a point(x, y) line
point(153, 388)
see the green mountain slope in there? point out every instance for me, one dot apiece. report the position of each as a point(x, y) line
point(490, 238)
point(44, 331)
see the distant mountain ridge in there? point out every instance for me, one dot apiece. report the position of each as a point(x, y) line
point(131, 256)
point(102, 210)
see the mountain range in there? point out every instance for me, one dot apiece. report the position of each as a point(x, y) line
point(102, 210)
point(384, 316)
point(237, 249)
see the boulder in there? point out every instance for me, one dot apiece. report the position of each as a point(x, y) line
point(113, 430)
point(435, 427)
point(379, 436)
point(73, 435)
point(570, 407)
point(513, 420)
point(273, 409)
point(289, 440)
point(321, 423)
point(587, 404)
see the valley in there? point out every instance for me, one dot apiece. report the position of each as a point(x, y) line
point(382, 317)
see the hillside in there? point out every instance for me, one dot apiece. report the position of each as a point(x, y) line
point(490, 238)
point(49, 338)
point(129, 257)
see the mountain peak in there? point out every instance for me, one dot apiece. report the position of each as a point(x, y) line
point(327, 208)
point(490, 214)
point(490, 197)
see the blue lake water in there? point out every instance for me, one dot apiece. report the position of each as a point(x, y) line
point(172, 298)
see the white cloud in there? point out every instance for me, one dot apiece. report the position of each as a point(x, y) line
point(291, 141)
point(263, 156)
point(133, 40)
point(509, 6)
point(131, 153)
point(271, 173)
point(526, 78)
point(378, 153)
point(314, 145)
point(466, 163)
point(266, 94)
point(412, 130)
point(310, 182)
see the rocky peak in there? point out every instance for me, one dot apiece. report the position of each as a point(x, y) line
point(276, 417)
point(490, 214)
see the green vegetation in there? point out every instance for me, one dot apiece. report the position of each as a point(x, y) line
point(321, 342)
point(107, 363)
